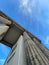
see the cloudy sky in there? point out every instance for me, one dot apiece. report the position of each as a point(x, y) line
point(33, 15)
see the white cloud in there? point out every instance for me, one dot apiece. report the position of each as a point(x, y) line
point(24, 3)
point(47, 41)
point(27, 5)
point(36, 9)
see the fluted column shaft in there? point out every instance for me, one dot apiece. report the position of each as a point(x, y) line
point(41, 58)
point(43, 49)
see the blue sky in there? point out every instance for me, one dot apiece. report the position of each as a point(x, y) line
point(33, 15)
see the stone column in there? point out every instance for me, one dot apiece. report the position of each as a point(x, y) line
point(43, 49)
point(39, 57)
point(17, 56)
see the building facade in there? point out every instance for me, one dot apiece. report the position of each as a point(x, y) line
point(26, 48)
